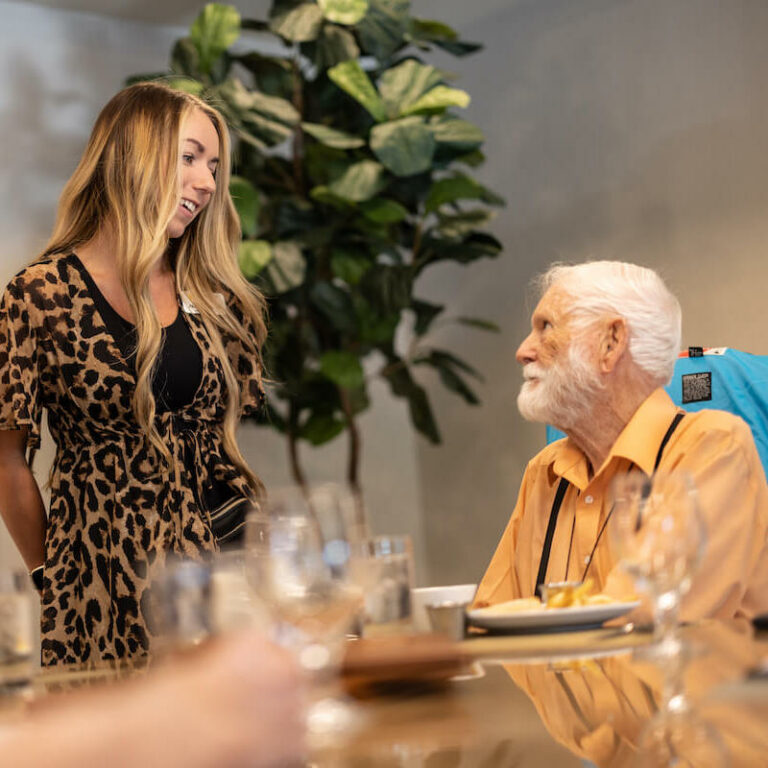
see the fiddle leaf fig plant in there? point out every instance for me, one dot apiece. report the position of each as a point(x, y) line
point(353, 175)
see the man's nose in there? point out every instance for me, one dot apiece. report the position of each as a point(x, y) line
point(526, 352)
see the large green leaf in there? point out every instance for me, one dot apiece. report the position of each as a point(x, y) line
point(383, 211)
point(323, 195)
point(336, 304)
point(384, 28)
point(332, 46)
point(274, 107)
point(269, 118)
point(404, 146)
point(373, 328)
point(459, 225)
point(451, 189)
point(405, 83)
point(321, 428)
point(343, 368)
point(273, 75)
point(452, 380)
point(476, 245)
point(439, 98)
point(332, 137)
point(352, 79)
point(186, 84)
point(361, 181)
point(296, 20)
point(246, 200)
point(459, 47)
point(459, 187)
point(451, 130)
point(344, 11)
point(253, 256)
point(185, 58)
point(323, 163)
point(425, 314)
point(287, 268)
point(403, 385)
point(213, 31)
point(428, 31)
point(387, 288)
point(349, 265)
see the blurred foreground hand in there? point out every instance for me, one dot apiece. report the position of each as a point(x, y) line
point(235, 702)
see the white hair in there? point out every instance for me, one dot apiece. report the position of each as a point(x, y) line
point(637, 294)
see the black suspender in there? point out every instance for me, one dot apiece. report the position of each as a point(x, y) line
point(672, 427)
point(544, 562)
point(557, 503)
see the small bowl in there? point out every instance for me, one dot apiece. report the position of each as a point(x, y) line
point(448, 618)
point(423, 596)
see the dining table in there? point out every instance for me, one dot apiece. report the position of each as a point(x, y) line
point(524, 700)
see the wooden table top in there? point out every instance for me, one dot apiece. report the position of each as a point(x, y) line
point(540, 700)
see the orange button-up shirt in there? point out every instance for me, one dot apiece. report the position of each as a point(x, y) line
point(718, 451)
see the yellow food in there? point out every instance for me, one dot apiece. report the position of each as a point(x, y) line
point(514, 606)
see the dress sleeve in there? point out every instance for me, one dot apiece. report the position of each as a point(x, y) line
point(20, 398)
point(247, 366)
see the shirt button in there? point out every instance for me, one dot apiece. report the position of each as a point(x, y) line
point(586, 560)
point(588, 499)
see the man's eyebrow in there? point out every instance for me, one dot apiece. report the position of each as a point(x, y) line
point(201, 148)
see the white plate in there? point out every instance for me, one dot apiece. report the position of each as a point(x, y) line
point(576, 617)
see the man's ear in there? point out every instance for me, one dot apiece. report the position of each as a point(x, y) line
point(613, 344)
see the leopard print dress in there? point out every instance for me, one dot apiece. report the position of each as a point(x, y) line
point(116, 511)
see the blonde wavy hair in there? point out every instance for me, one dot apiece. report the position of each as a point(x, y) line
point(128, 179)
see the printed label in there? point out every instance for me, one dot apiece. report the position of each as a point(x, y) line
point(697, 387)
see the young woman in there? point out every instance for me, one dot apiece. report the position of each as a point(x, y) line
point(138, 334)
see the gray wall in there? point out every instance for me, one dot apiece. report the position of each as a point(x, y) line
point(629, 129)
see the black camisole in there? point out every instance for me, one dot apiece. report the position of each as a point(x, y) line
point(179, 367)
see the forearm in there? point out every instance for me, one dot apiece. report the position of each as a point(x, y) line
point(22, 509)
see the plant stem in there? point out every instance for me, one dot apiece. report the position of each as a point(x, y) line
point(353, 458)
point(353, 464)
point(293, 449)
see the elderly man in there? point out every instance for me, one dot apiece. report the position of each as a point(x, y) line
point(603, 341)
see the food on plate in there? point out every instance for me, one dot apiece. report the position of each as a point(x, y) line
point(561, 595)
point(513, 606)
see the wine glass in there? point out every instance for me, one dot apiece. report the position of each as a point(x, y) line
point(300, 551)
point(658, 537)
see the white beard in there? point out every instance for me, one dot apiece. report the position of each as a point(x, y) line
point(564, 393)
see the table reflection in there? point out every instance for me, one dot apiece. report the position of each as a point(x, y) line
point(563, 699)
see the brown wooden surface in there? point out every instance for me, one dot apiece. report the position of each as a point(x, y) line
point(521, 701)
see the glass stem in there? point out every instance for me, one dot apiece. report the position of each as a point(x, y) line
point(666, 615)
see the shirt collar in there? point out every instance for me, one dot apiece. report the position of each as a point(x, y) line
point(638, 442)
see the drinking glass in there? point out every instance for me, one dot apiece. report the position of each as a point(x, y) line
point(16, 631)
point(657, 534)
point(386, 573)
point(300, 551)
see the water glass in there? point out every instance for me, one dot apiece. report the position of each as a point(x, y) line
point(17, 626)
point(300, 552)
point(658, 537)
point(387, 584)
